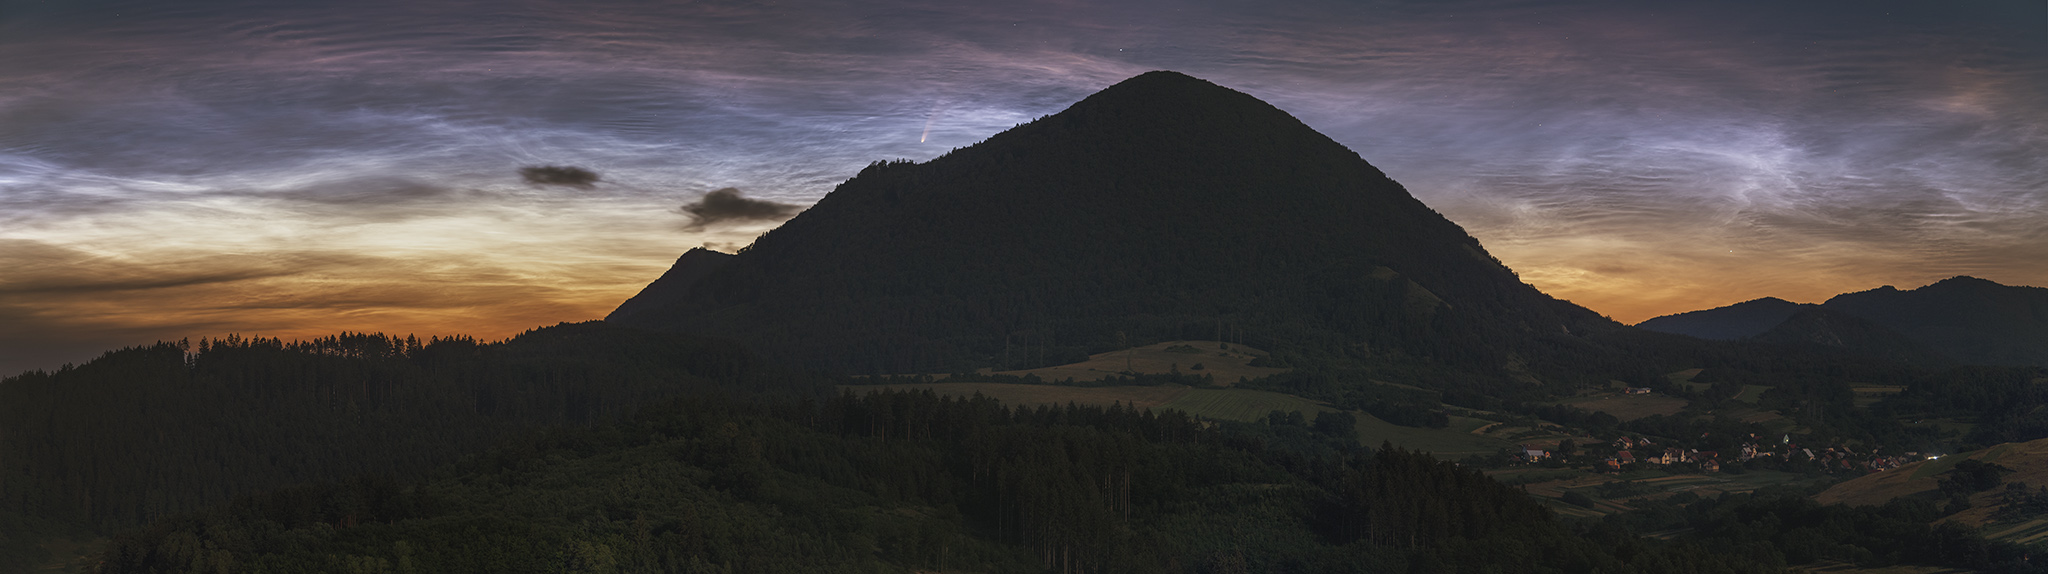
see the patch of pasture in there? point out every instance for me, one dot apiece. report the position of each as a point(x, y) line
point(1242, 404)
point(1453, 442)
point(1012, 394)
point(1629, 407)
point(1226, 362)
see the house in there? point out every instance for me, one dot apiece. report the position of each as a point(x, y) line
point(1637, 390)
point(1709, 465)
point(1625, 457)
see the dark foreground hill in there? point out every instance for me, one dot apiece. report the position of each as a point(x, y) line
point(147, 432)
point(1164, 207)
point(1961, 319)
point(912, 482)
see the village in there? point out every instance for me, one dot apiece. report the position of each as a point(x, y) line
point(1637, 453)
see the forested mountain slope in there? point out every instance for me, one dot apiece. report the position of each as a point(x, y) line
point(1961, 319)
point(1739, 321)
point(1164, 207)
point(675, 284)
point(1968, 319)
point(142, 433)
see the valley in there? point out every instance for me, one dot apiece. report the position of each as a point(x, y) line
point(1170, 329)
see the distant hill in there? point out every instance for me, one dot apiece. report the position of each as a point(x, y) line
point(1961, 319)
point(1161, 208)
point(1825, 327)
point(1739, 321)
point(1968, 319)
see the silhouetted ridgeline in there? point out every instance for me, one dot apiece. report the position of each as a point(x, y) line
point(1164, 207)
point(1961, 319)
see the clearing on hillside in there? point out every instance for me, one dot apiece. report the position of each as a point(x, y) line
point(1611, 493)
point(1628, 407)
point(1226, 362)
point(1867, 395)
point(2028, 460)
point(1222, 404)
point(1020, 395)
point(1451, 443)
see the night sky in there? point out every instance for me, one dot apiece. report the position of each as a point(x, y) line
point(296, 169)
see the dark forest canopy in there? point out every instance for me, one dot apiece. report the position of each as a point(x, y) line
point(909, 481)
point(898, 481)
point(145, 432)
point(359, 432)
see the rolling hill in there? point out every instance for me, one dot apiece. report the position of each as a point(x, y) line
point(1961, 319)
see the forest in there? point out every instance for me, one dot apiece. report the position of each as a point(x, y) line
point(595, 448)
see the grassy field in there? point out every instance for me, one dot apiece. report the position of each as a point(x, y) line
point(1628, 407)
point(2029, 461)
point(1034, 395)
point(1446, 443)
point(1454, 442)
point(1867, 395)
point(1242, 404)
point(73, 556)
point(1754, 415)
point(1683, 376)
point(1226, 362)
point(1222, 404)
point(1750, 393)
point(2027, 532)
point(1841, 568)
point(1647, 484)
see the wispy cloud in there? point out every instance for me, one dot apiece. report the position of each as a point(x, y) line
point(1637, 158)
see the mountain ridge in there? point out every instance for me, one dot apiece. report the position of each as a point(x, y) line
point(1162, 207)
point(1737, 321)
point(1963, 319)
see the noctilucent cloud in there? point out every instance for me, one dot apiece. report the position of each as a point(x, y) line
point(295, 169)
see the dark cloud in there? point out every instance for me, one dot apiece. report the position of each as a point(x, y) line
point(558, 175)
point(725, 205)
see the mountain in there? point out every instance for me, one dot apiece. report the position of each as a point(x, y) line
point(1960, 319)
point(1739, 321)
point(675, 284)
point(1163, 207)
point(1818, 325)
point(1971, 320)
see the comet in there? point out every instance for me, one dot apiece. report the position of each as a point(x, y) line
point(936, 108)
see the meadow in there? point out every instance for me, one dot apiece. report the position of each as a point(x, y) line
point(1226, 362)
point(1454, 442)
